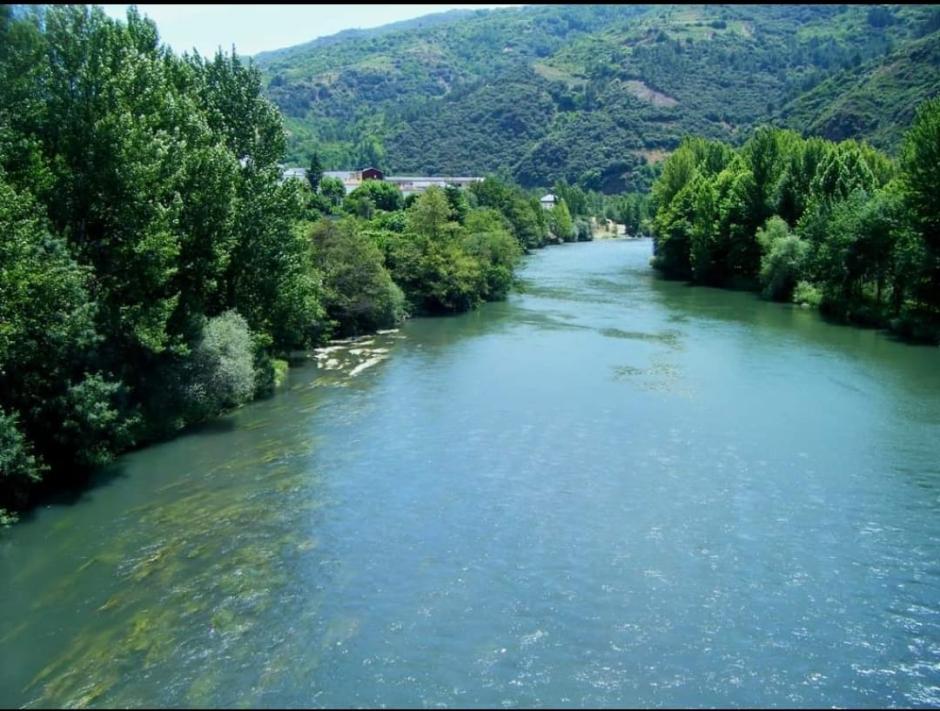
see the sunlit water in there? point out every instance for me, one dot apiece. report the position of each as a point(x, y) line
point(611, 490)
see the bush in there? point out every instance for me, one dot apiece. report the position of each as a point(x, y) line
point(91, 424)
point(280, 372)
point(384, 196)
point(915, 324)
point(559, 223)
point(582, 229)
point(19, 470)
point(221, 371)
point(806, 294)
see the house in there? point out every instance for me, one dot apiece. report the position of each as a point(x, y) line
point(548, 201)
point(299, 173)
point(408, 184)
point(352, 179)
point(415, 184)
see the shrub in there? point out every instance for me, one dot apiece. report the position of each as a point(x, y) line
point(384, 196)
point(91, 424)
point(221, 371)
point(582, 230)
point(806, 293)
point(19, 470)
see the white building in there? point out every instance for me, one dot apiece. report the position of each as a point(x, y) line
point(548, 201)
point(299, 173)
point(416, 184)
point(351, 179)
point(408, 184)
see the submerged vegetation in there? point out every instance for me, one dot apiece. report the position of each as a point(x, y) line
point(156, 266)
point(841, 225)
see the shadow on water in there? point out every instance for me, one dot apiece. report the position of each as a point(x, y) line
point(76, 490)
point(220, 425)
point(793, 325)
point(436, 333)
point(79, 487)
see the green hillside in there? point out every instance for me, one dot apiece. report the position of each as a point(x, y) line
point(876, 100)
point(593, 94)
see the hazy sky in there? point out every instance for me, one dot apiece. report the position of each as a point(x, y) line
point(256, 28)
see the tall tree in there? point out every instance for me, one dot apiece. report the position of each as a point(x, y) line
point(315, 172)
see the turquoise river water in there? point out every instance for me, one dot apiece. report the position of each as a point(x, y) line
point(610, 490)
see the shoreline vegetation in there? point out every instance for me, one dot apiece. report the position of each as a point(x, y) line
point(157, 268)
point(842, 227)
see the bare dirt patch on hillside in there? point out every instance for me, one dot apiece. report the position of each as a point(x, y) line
point(645, 93)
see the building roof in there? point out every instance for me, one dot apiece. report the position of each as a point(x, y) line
point(548, 198)
point(436, 178)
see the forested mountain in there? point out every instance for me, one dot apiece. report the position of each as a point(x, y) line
point(874, 100)
point(592, 94)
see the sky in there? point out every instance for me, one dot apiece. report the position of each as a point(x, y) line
point(258, 28)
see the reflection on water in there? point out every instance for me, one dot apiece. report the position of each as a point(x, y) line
point(610, 490)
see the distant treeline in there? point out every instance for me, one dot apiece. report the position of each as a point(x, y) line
point(837, 225)
point(154, 265)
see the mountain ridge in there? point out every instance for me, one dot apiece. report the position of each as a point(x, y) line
point(592, 94)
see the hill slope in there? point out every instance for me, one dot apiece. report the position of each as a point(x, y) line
point(876, 100)
point(594, 93)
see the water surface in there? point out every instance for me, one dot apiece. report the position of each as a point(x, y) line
point(611, 490)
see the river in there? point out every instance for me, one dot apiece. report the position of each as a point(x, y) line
point(610, 490)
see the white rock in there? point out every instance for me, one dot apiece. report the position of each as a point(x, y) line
point(367, 364)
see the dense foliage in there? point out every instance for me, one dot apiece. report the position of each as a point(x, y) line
point(446, 252)
point(838, 225)
point(150, 260)
point(875, 100)
point(154, 262)
point(598, 94)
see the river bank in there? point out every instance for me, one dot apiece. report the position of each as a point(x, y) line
point(608, 490)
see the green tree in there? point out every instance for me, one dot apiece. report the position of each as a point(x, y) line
point(47, 348)
point(333, 191)
point(459, 204)
point(315, 172)
point(560, 223)
point(672, 237)
point(705, 258)
point(782, 263)
point(489, 240)
point(431, 215)
point(359, 294)
point(382, 195)
point(920, 178)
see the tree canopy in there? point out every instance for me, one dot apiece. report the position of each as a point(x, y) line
point(841, 222)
